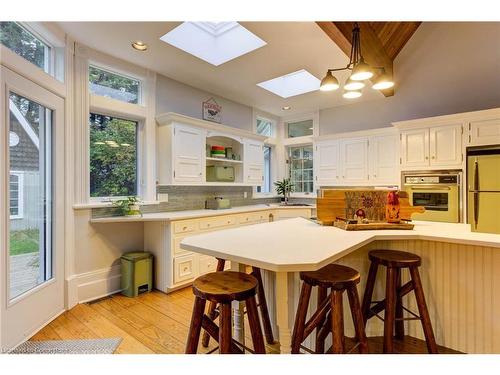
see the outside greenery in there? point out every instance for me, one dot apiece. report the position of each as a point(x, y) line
point(113, 156)
point(122, 88)
point(22, 42)
point(24, 241)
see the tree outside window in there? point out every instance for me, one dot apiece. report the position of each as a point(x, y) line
point(113, 156)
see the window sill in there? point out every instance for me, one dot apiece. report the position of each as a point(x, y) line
point(301, 195)
point(90, 205)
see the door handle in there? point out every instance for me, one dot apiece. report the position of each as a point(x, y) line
point(476, 193)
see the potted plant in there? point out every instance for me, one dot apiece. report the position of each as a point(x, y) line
point(128, 206)
point(284, 187)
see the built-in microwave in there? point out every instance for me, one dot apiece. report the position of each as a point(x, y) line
point(437, 191)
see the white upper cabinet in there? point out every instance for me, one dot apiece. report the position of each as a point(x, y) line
point(415, 148)
point(435, 146)
point(253, 162)
point(384, 159)
point(188, 154)
point(327, 162)
point(354, 157)
point(484, 132)
point(445, 143)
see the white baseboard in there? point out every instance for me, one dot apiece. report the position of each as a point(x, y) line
point(92, 285)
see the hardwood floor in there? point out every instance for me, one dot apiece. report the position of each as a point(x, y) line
point(157, 323)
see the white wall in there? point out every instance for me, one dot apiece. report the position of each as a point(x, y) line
point(174, 96)
point(446, 67)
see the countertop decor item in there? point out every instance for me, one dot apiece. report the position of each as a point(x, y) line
point(128, 206)
point(392, 207)
point(284, 187)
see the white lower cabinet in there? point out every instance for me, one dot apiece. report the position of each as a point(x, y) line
point(176, 267)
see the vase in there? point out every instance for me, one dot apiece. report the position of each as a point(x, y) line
point(392, 207)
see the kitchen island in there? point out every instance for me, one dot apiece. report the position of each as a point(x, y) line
point(459, 272)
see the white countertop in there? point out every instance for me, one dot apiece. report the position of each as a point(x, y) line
point(301, 245)
point(194, 214)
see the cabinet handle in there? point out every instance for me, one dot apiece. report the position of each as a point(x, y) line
point(426, 158)
point(374, 175)
point(433, 157)
point(184, 228)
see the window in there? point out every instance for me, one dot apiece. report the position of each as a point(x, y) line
point(301, 168)
point(16, 195)
point(113, 156)
point(264, 127)
point(300, 128)
point(25, 44)
point(266, 186)
point(112, 85)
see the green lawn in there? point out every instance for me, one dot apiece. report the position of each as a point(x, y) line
point(24, 241)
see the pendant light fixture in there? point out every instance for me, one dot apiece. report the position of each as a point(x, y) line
point(360, 71)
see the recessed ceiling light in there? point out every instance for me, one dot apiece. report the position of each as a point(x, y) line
point(286, 108)
point(292, 84)
point(139, 45)
point(214, 42)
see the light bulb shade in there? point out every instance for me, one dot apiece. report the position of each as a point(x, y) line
point(361, 71)
point(352, 94)
point(383, 82)
point(329, 82)
point(353, 85)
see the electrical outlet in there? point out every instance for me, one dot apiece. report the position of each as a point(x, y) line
point(245, 194)
point(163, 197)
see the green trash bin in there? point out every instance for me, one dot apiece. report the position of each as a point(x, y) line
point(137, 273)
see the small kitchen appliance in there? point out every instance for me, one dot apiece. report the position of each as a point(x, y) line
point(220, 173)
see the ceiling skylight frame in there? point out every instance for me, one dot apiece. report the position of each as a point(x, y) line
point(292, 84)
point(213, 42)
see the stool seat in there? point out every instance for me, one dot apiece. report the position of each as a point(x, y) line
point(225, 286)
point(394, 258)
point(333, 276)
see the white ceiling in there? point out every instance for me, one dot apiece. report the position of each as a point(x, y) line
point(291, 46)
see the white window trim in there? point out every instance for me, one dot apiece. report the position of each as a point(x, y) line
point(20, 194)
point(273, 174)
point(143, 113)
point(287, 152)
point(314, 116)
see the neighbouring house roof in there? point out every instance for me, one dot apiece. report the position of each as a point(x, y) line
point(25, 155)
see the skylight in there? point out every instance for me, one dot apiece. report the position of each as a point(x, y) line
point(292, 84)
point(214, 42)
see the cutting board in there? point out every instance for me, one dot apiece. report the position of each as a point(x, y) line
point(333, 204)
point(372, 226)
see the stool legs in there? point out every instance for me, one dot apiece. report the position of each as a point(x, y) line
point(300, 318)
point(399, 324)
point(225, 329)
point(422, 309)
point(195, 326)
point(212, 306)
point(255, 330)
point(357, 317)
point(337, 322)
point(264, 312)
point(390, 309)
point(367, 296)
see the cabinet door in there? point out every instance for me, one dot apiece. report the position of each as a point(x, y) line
point(415, 148)
point(446, 145)
point(326, 161)
point(384, 159)
point(354, 160)
point(188, 154)
point(254, 162)
point(484, 132)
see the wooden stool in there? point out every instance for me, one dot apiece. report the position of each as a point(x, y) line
point(222, 288)
point(213, 312)
point(394, 261)
point(339, 279)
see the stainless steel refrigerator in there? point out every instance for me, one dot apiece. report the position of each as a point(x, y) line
point(483, 185)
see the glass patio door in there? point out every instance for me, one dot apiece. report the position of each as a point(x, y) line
point(33, 219)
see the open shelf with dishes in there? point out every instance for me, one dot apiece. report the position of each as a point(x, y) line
point(224, 159)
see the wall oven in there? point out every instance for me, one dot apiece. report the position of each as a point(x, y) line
point(438, 192)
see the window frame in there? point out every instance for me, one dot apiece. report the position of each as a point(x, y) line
point(273, 126)
point(272, 168)
point(137, 162)
point(299, 194)
point(118, 72)
point(20, 194)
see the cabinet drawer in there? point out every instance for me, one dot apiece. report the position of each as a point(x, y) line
point(207, 264)
point(185, 226)
point(258, 217)
point(185, 268)
point(218, 222)
point(177, 247)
